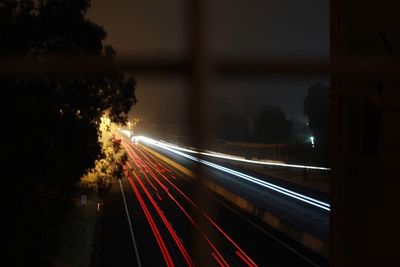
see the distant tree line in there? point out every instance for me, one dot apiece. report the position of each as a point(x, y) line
point(270, 125)
point(257, 122)
point(50, 119)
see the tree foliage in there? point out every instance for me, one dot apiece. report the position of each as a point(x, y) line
point(108, 168)
point(51, 118)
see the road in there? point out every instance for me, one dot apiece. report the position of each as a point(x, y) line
point(177, 222)
point(307, 215)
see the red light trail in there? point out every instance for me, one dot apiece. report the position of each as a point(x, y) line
point(147, 165)
point(195, 205)
point(167, 224)
point(153, 226)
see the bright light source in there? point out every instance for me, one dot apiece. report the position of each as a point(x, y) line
point(312, 139)
point(135, 139)
point(127, 133)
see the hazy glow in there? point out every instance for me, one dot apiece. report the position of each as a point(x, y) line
point(249, 178)
point(126, 132)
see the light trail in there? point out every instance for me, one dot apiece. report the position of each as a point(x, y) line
point(235, 158)
point(201, 211)
point(126, 132)
point(288, 192)
point(279, 189)
point(244, 259)
point(130, 166)
point(153, 226)
point(175, 237)
point(137, 158)
point(217, 260)
point(153, 202)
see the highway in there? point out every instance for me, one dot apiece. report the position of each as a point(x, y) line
point(177, 222)
point(305, 210)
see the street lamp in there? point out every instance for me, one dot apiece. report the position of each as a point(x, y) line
point(312, 140)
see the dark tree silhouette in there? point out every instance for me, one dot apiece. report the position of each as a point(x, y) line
point(317, 109)
point(272, 126)
point(51, 118)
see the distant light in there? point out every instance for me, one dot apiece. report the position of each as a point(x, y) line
point(312, 139)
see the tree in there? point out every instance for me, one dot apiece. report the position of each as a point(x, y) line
point(317, 109)
point(272, 126)
point(51, 116)
point(108, 168)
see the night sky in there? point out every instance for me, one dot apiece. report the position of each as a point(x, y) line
point(259, 29)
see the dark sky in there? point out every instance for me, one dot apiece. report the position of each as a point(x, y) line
point(268, 29)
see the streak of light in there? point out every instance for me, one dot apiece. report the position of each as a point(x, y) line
point(201, 232)
point(234, 158)
point(153, 226)
point(167, 224)
point(126, 132)
point(288, 192)
point(282, 190)
point(221, 258)
point(212, 222)
point(204, 213)
point(144, 172)
point(244, 259)
point(217, 260)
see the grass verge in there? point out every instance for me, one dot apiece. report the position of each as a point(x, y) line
point(77, 234)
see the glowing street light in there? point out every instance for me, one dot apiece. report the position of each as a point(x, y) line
point(312, 140)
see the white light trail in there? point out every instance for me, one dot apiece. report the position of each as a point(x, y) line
point(242, 159)
point(282, 190)
point(126, 132)
point(312, 141)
